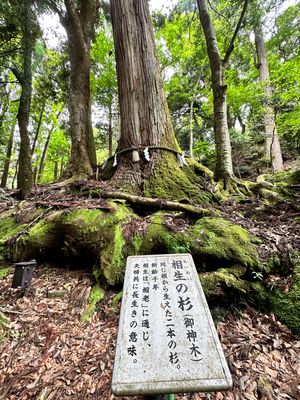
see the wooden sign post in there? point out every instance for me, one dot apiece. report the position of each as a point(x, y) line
point(167, 342)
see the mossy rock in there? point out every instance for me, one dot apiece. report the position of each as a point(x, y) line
point(224, 281)
point(223, 240)
point(286, 304)
point(8, 229)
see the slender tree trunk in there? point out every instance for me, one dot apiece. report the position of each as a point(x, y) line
point(79, 24)
point(145, 118)
point(273, 150)
point(24, 176)
point(55, 173)
point(110, 131)
point(62, 166)
point(191, 129)
point(223, 148)
point(43, 158)
point(8, 154)
point(38, 127)
point(242, 124)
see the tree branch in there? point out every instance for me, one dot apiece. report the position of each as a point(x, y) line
point(53, 7)
point(18, 74)
point(238, 26)
point(217, 12)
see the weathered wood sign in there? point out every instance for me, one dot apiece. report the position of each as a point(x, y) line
point(167, 342)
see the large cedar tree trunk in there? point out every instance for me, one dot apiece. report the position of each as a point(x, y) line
point(145, 118)
point(79, 23)
point(24, 177)
point(273, 150)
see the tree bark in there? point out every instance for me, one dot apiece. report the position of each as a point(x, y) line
point(24, 177)
point(8, 154)
point(38, 127)
point(43, 158)
point(145, 118)
point(223, 167)
point(273, 150)
point(110, 131)
point(79, 23)
point(191, 129)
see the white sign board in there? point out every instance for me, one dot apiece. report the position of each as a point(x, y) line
point(167, 342)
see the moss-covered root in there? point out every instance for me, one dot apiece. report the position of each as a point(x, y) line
point(169, 181)
point(97, 294)
point(223, 281)
point(234, 187)
point(220, 239)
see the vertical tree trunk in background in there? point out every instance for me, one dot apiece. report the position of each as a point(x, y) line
point(38, 127)
point(43, 158)
point(79, 23)
point(273, 150)
point(8, 154)
point(242, 124)
point(145, 118)
point(110, 131)
point(191, 129)
point(55, 172)
point(224, 160)
point(24, 177)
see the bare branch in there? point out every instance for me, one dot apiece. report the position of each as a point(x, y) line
point(238, 26)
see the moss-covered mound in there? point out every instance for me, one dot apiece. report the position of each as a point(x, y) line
point(225, 254)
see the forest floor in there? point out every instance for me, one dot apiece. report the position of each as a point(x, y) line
point(48, 353)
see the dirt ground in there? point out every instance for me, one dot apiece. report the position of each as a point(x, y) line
point(48, 353)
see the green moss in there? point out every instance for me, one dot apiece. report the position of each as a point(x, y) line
point(42, 237)
point(221, 239)
point(218, 282)
point(4, 271)
point(159, 238)
point(8, 226)
point(117, 298)
point(169, 181)
point(97, 294)
point(112, 258)
point(286, 305)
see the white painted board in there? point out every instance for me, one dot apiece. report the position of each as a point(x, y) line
point(167, 341)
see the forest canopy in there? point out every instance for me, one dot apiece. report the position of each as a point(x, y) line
point(60, 114)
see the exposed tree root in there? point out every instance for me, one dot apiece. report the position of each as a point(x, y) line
point(232, 186)
point(158, 203)
point(69, 181)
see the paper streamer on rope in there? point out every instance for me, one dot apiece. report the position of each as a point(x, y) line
point(183, 158)
point(179, 160)
point(146, 154)
point(115, 161)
